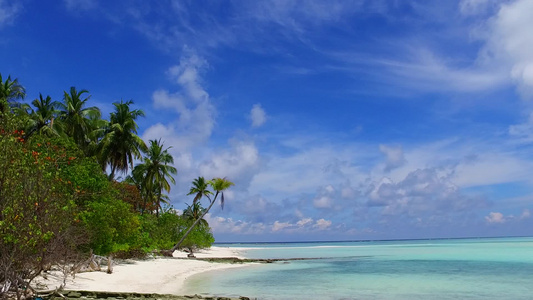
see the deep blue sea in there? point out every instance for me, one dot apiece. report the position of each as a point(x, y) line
point(485, 268)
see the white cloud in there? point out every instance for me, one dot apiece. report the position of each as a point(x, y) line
point(323, 202)
point(509, 41)
point(9, 11)
point(394, 156)
point(324, 198)
point(296, 18)
point(187, 75)
point(304, 222)
point(257, 115)
point(195, 118)
point(499, 218)
point(492, 168)
point(322, 224)
point(495, 218)
point(523, 132)
point(303, 225)
point(228, 225)
point(277, 226)
point(423, 70)
point(422, 193)
point(239, 163)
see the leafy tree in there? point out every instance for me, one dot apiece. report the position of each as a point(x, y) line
point(160, 232)
point(112, 225)
point(10, 91)
point(200, 237)
point(219, 185)
point(121, 144)
point(37, 213)
point(78, 119)
point(129, 193)
point(156, 173)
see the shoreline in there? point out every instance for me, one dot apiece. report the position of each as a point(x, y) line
point(159, 275)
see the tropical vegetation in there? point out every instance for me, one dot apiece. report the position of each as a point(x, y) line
point(60, 198)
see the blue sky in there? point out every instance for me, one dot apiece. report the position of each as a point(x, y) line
point(337, 120)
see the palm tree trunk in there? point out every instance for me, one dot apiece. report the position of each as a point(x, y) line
point(112, 175)
point(193, 225)
point(144, 203)
point(158, 203)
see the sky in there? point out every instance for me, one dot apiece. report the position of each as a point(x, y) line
point(336, 120)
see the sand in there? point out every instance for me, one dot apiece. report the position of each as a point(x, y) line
point(158, 275)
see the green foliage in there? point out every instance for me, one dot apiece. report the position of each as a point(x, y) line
point(10, 91)
point(200, 237)
point(219, 185)
point(77, 118)
point(38, 217)
point(112, 226)
point(121, 144)
point(83, 175)
point(160, 233)
point(154, 173)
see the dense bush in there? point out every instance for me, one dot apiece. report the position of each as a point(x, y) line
point(160, 233)
point(38, 217)
point(112, 226)
point(200, 237)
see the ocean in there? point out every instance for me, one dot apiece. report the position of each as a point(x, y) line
point(484, 268)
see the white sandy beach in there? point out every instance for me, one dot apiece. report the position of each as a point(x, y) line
point(158, 275)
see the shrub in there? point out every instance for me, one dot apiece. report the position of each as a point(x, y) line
point(38, 218)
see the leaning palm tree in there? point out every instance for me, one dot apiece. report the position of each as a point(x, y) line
point(76, 117)
point(121, 144)
point(219, 185)
point(156, 172)
point(10, 91)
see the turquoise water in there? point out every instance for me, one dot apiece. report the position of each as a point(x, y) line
point(495, 268)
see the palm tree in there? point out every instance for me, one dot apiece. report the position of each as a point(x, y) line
point(194, 212)
point(121, 144)
point(219, 185)
point(76, 117)
point(41, 119)
point(10, 90)
point(96, 132)
point(156, 172)
point(199, 189)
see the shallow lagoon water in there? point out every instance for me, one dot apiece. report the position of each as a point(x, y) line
point(495, 268)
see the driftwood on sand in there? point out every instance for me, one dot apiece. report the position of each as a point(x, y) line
point(93, 263)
